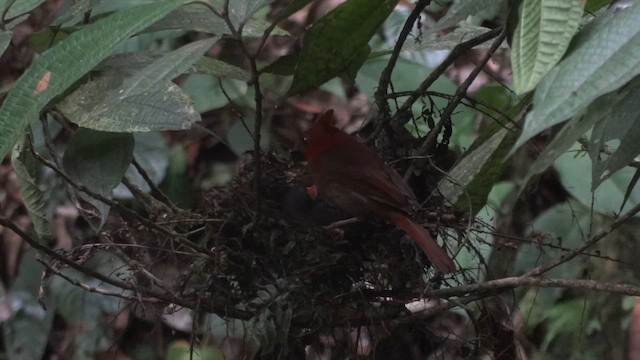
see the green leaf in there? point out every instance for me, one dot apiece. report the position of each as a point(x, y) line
point(476, 173)
point(164, 69)
point(240, 11)
point(182, 350)
point(26, 332)
point(144, 101)
point(177, 185)
point(606, 55)
point(98, 160)
point(541, 38)
point(73, 11)
point(461, 10)
point(293, 7)
point(336, 40)
point(26, 167)
point(152, 153)
point(20, 7)
point(163, 107)
point(134, 61)
point(447, 41)
point(206, 91)
point(564, 225)
point(595, 5)
point(5, 40)
point(608, 197)
point(220, 69)
point(622, 122)
point(56, 70)
point(94, 311)
point(202, 20)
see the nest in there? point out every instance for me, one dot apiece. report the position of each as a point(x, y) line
point(279, 251)
point(273, 257)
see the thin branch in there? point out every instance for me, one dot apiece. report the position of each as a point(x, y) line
point(499, 285)
point(460, 94)
point(399, 117)
point(385, 77)
point(152, 295)
point(155, 190)
point(121, 208)
point(594, 239)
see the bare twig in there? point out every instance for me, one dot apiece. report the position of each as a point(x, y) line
point(594, 239)
point(499, 285)
point(151, 295)
point(121, 208)
point(385, 77)
point(155, 190)
point(400, 115)
point(460, 94)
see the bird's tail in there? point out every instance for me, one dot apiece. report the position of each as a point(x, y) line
point(437, 255)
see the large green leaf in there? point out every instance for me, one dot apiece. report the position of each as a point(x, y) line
point(144, 101)
point(240, 11)
point(202, 20)
point(448, 40)
point(606, 55)
point(98, 160)
point(574, 167)
point(92, 310)
point(336, 40)
point(58, 68)
point(462, 10)
point(26, 167)
point(20, 7)
point(622, 122)
point(152, 154)
point(206, 65)
point(26, 332)
point(477, 172)
point(541, 38)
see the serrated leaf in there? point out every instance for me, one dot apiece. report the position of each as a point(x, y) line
point(5, 40)
point(98, 160)
point(336, 40)
point(462, 10)
point(145, 100)
point(622, 122)
point(26, 168)
point(58, 68)
point(541, 38)
point(605, 57)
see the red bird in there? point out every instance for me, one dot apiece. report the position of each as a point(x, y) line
point(351, 176)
